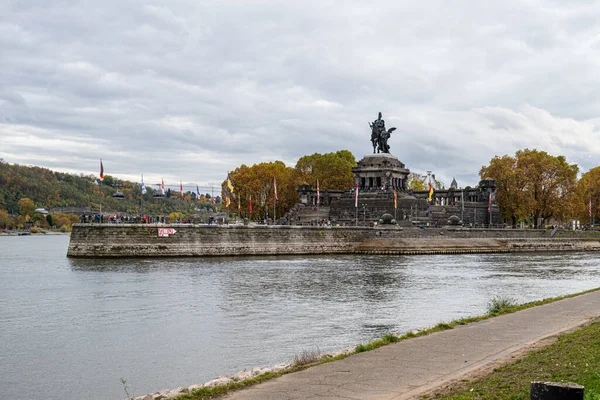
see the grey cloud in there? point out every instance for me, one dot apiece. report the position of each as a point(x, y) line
point(158, 86)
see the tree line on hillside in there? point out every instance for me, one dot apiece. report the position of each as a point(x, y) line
point(56, 190)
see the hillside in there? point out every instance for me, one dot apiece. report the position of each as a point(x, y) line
point(56, 190)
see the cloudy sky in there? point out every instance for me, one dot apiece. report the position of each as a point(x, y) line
point(189, 89)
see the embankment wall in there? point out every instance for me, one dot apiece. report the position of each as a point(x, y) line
point(138, 240)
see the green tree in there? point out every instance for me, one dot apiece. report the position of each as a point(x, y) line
point(108, 181)
point(332, 170)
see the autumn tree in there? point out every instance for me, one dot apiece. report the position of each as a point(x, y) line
point(26, 207)
point(511, 193)
point(257, 183)
point(588, 189)
point(417, 181)
point(3, 219)
point(533, 183)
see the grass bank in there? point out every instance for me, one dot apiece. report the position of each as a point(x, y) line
point(575, 357)
point(496, 307)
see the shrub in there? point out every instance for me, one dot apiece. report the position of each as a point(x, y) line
point(499, 304)
point(64, 228)
point(35, 230)
point(307, 357)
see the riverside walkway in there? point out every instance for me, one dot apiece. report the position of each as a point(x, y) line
point(406, 369)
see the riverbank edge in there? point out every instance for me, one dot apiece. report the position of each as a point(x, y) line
point(226, 384)
point(188, 240)
point(27, 233)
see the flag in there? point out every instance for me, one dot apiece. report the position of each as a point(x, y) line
point(394, 197)
point(356, 196)
point(162, 187)
point(227, 201)
point(275, 186)
point(230, 184)
point(239, 204)
point(143, 186)
point(198, 193)
point(250, 204)
point(490, 203)
point(101, 171)
point(430, 192)
point(318, 193)
point(590, 207)
point(181, 189)
point(212, 199)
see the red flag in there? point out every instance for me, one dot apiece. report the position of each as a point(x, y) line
point(275, 186)
point(162, 187)
point(251, 204)
point(490, 203)
point(101, 171)
point(356, 196)
point(395, 198)
point(181, 189)
point(318, 193)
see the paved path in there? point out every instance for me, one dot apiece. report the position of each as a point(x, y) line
point(403, 370)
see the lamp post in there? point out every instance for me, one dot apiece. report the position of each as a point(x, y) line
point(462, 200)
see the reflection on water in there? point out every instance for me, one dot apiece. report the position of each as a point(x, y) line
point(72, 328)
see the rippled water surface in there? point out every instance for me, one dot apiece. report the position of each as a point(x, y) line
point(70, 329)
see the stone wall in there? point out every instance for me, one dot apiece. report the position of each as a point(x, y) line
point(138, 240)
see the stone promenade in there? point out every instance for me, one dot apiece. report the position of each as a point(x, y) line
point(406, 369)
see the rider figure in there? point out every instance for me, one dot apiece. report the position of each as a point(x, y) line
point(379, 124)
point(377, 133)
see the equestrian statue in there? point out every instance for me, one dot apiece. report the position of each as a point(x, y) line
point(380, 136)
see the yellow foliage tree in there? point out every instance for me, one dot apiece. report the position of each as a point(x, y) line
point(26, 207)
point(588, 189)
point(533, 184)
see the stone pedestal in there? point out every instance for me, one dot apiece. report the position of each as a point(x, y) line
point(381, 170)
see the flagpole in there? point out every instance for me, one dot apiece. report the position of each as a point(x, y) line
point(101, 194)
point(142, 197)
point(101, 201)
point(356, 205)
point(462, 211)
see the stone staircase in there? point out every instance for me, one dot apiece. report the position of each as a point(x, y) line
point(302, 214)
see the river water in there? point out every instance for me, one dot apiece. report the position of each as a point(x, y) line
point(71, 329)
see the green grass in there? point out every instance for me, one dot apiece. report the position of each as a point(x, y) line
point(506, 308)
point(574, 357)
